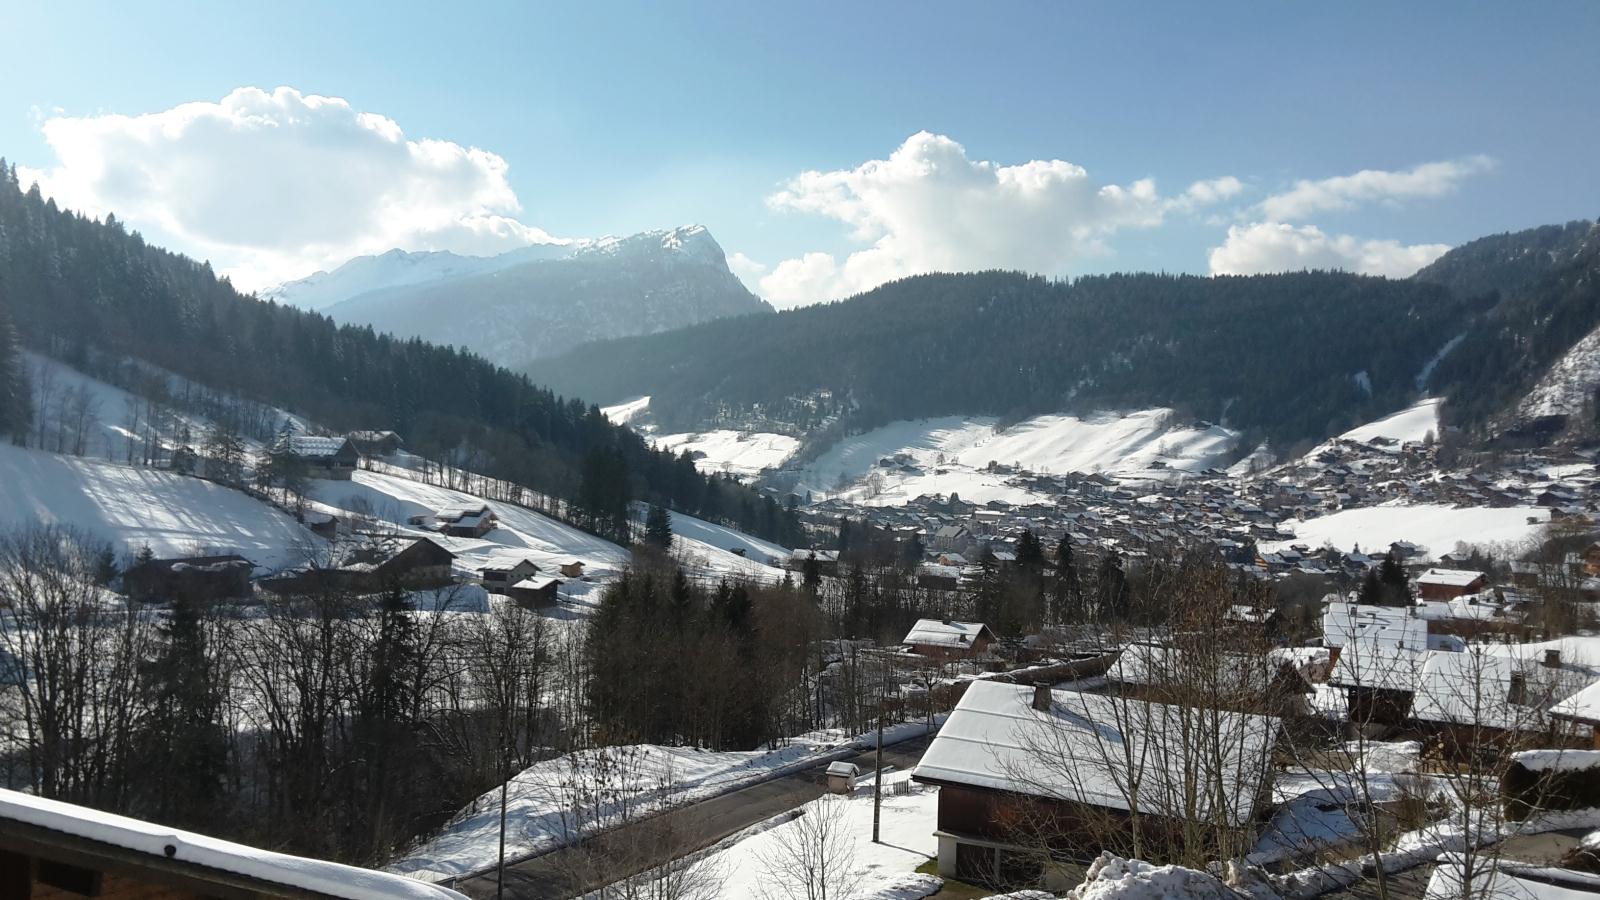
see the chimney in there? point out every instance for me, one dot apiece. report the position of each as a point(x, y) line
point(1552, 658)
point(1042, 697)
point(1518, 693)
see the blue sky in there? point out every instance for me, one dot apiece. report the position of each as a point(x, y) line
point(614, 118)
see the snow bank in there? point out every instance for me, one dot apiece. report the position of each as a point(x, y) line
point(175, 515)
point(160, 842)
point(1436, 527)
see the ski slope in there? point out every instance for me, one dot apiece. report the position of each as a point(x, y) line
point(174, 515)
point(949, 455)
point(1434, 527)
point(623, 413)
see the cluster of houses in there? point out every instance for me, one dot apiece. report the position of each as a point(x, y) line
point(337, 457)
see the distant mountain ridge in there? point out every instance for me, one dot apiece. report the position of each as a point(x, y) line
point(536, 300)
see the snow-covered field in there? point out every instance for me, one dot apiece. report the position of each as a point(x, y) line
point(174, 515)
point(739, 453)
point(626, 412)
point(948, 455)
point(1437, 528)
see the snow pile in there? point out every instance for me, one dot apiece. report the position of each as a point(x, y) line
point(738, 453)
point(902, 460)
point(160, 842)
point(174, 515)
point(906, 887)
point(1111, 877)
point(1437, 528)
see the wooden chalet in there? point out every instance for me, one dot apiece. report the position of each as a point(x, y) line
point(1001, 763)
point(535, 591)
point(945, 639)
point(498, 577)
point(51, 850)
point(415, 566)
point(470, 520)
point(1581, 710)
point(1448, 584)
point(573, 569)
point(189, 578)
point(332, 458)
point(376, 443)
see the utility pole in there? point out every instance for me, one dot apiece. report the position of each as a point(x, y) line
point(500, 876)
point(877, 779)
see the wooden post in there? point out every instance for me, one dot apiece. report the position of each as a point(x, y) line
point(500, 877)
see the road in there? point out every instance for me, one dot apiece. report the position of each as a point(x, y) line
point(678, 832)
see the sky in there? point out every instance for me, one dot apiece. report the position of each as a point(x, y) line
point(828, 147)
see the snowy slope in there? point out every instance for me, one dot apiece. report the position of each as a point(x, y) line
point(1437, 528)
point(949, 455)
point(739, 453)
point(627, 411)
point(174, 515)
point(523, 533)
point(1408, 425)
point(1569, 382)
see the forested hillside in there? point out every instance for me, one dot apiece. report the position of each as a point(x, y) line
point(1285, 357)
point(1543, 293)
point(95, 295)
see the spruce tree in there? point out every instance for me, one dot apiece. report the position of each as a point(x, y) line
point(658, 528)
point(185, 733)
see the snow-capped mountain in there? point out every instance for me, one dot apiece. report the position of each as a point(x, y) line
point(535, 300)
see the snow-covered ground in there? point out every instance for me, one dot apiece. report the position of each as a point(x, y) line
point(1438, 528)
point(623, 413)
point(1570, 381)
point(726, 549)
point(909, 816)
point(175, 515)
point(541, 795)
point(1411, 424)
point(948, 455)
point(739, 453)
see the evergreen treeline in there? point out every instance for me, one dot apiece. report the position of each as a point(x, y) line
point(1277, 354)
point(95, 295)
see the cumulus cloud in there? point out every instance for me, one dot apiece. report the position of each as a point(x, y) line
point(1307, 198)
point(929, 207)
point(1279, 247)
point(748, 270)
point(273, 185)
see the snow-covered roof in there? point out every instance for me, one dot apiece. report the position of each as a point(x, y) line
point(1583, 706)
point(313, 446)
point(944, 633)
point(1508, 880)
point(1475, 687)
point(160, 842)
point(1449, 577)
point(1079, 751)
point(1393, 626)
point(535, 583)
point(1383, 666)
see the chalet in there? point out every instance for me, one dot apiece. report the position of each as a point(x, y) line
point(189, 578)
point(497, 577)
point(573, 569)
point(1256, 683)
point(947, 639)
point(376, 443)
point(952, 538)
point(50, 849)
point(469, 520)
point(1447, 584)
point(535, 591)
point(1591, 559)
point(1482, 695)
point(326, 457)
point(827, 561)
point(420, 564)
point(1581, 710)
point(1011, 753)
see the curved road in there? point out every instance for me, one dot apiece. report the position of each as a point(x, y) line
point(625, 851)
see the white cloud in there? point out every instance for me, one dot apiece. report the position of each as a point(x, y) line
point(272, 185)
point(1434, 179)
point(929, 207)
point(1278, 247)
point(748, 270)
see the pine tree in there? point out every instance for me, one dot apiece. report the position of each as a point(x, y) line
point(16, 406)
point(811, 573)
point(186, 734)
point(658, 528)
point(1030, 555)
